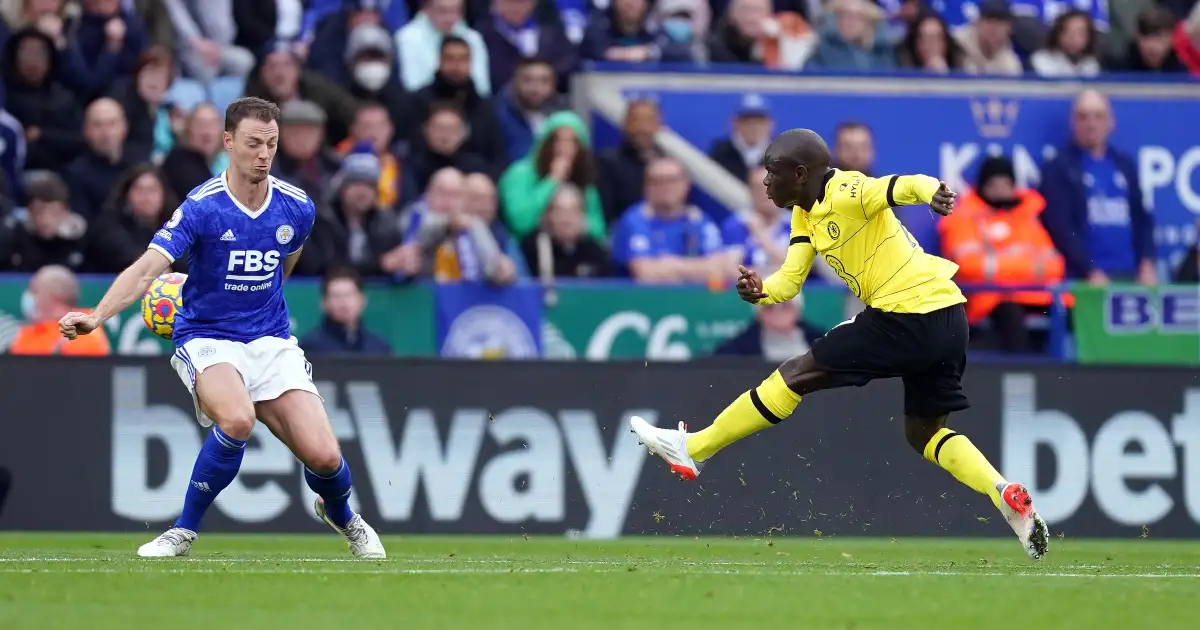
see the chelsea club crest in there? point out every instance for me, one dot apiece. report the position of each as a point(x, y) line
point(284, 234)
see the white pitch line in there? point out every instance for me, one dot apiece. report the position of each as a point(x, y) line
point(160, 567)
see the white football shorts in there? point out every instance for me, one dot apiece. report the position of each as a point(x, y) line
point(269, 366)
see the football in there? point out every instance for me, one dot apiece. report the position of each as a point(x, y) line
point(161, 302)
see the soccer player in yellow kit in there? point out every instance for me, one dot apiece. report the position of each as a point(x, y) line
point(914, 326)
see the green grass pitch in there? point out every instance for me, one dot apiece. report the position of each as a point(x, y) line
point(51, 581)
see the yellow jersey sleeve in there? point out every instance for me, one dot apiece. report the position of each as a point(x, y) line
point(785, 283)
point(882, 193)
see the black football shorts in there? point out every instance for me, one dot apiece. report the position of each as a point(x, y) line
point(928, 351)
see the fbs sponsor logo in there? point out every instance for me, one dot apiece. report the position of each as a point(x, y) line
point(1137, 468)
point(478, 469)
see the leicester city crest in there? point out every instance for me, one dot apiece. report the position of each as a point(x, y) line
point(284, 234)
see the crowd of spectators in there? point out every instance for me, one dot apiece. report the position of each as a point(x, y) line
point(436, 137)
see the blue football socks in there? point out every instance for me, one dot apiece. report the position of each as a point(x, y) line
point(216, 466)
point(334, 489)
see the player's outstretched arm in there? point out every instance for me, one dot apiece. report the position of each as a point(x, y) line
point(128, 288)
point(906, 190)
point(785, 283)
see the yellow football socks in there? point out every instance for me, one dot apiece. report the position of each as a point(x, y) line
point(753, 411)
point(959, 457)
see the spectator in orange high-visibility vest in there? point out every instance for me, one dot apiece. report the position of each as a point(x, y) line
point(996, 237)
point(53, 292)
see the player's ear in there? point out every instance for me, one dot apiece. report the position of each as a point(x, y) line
point(227, 137)
point(801, 173)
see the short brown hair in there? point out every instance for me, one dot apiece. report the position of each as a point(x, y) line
point(340, 273)
point(252, 108)
point(156, 57)
point(47, 187)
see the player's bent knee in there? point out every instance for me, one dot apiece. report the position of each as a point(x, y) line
point(918, 431)
point(323, 460)
point(236, 423)
point(801, 374)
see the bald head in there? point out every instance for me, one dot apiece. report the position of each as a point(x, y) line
point(104, 127)
point(55, 289)
point(479, 183)
point(802, 147)
point(447, 178)
point(481, 196)
point(796, 163)
point(446, 191)
point(1092, 121)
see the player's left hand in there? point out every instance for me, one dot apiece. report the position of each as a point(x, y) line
point(943, 200)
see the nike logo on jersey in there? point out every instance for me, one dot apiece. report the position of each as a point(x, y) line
point(228, 236)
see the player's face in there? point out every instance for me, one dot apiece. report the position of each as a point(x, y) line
point(782, 182)
point(252, 148)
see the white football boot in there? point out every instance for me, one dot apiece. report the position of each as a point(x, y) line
point(171, 543)
point(669, 444)
point(1031, 530)
point(360, 537)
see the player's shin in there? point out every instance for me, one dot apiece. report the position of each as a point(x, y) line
point(216, 466)
point(334, 489)
point(753, 411)
point(959, 457)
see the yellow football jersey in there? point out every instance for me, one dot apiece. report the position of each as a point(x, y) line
point(853, 228)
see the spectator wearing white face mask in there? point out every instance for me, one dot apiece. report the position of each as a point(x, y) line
point(370, 60)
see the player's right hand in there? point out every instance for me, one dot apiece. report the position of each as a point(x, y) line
point(749, 285)
point(74, 324)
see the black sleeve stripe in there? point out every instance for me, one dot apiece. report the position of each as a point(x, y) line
point(891, 193)
point(796, 240)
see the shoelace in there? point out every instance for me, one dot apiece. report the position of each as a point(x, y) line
point(173, 537)
point(357, 533)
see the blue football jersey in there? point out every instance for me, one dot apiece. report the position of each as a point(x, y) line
point(235, 257)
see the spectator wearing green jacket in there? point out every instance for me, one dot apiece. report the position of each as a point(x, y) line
point(560, 154)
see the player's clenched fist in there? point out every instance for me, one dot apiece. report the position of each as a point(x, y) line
point(749, 285)
point(74, 324)
point(943, 200)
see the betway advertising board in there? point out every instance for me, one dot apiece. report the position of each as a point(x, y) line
point(543, 448)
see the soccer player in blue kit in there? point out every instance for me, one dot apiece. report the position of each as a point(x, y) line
point(242, 233)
